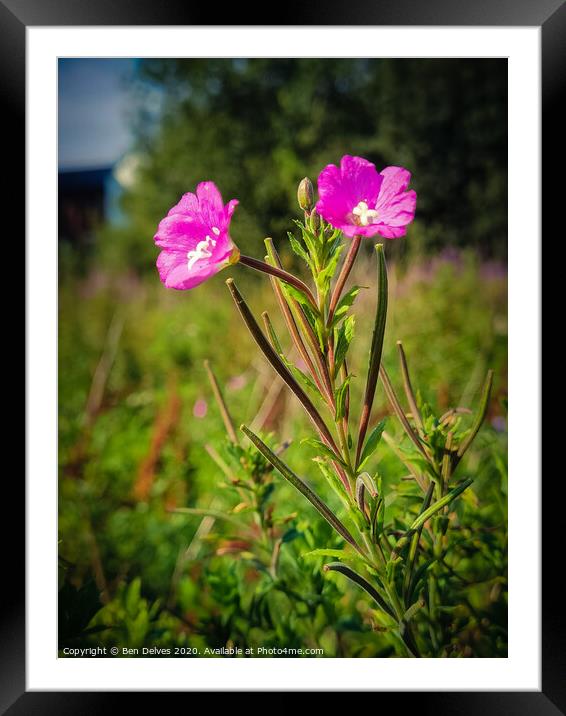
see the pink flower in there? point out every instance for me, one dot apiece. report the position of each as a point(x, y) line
point(200, 408)
point(358, 200)
point(194, 238)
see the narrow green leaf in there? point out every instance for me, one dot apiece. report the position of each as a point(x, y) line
point(339, 553)
point(302, 487)
point(341, 396)
point(400, 413)
point(372, 442)
point(322, 448)
point(333, 480)
point(299, 296)
point(274, 340)
point(298, 249)
point(330, 244)
point(364, 482)
point(413, 610)
point(377, 518)
point(480, 416)
point(420, 574)
point(345, 303)
point(439, 504)
point(278, 365)
point(308, 237)
point(304, 378)
point(409, 388)
point(376, 348)
point(369, 483)
point(402, 542)
point(344, 336)
point(324, 277)
point(290, 535)
point(446, 465)
point(361, 582)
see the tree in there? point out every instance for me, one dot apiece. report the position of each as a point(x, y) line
point(257, 126)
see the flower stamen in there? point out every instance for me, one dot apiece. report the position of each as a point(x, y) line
point(364, 215)
point(203, 250)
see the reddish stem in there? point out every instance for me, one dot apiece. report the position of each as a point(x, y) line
point(343, 276)
point(281, 274)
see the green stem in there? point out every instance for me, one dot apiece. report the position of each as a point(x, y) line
point(409, 389)
point(411, 559)
point(301, 319)
point(398, 410)
point(224, 412)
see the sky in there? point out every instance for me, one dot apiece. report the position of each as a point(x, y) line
point(93, 104)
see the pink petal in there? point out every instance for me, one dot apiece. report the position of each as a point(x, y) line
point(222, 251)
point(180, 231)
point(174, 272)
point(210, 204)
point(352, 230)
point(395, 205)
point(341, 190)
point(200, 217)
point(395, 180)
point(390, 232)
point(333, 202)
point(230, 206)
point(188, 204)
point(360, 179)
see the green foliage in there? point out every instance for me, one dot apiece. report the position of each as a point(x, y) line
point(455, 310)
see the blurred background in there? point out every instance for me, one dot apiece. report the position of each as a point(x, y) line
point(136, 415)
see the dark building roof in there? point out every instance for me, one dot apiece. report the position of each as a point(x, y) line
point(85, 199)
point(78, 179)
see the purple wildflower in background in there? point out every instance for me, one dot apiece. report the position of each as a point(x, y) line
point(195, 238)
point(360, 201)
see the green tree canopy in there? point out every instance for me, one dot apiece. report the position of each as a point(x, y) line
point(256, 127)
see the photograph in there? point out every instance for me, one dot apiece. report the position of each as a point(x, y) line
point(282, 357)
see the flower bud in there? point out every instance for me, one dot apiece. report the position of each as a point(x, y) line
point(305, 195)
point(314, 221)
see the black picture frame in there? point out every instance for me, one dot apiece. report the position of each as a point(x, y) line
point(15, 16)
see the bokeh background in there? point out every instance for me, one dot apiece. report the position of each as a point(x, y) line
point(136, 415)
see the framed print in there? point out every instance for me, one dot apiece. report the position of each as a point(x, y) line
point(283, 313)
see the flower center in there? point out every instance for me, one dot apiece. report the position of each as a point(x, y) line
point(364, 215)
point(203, 250)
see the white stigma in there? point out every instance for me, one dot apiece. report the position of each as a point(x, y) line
point(203, 250)
point(365, 215)
point(216, 230)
